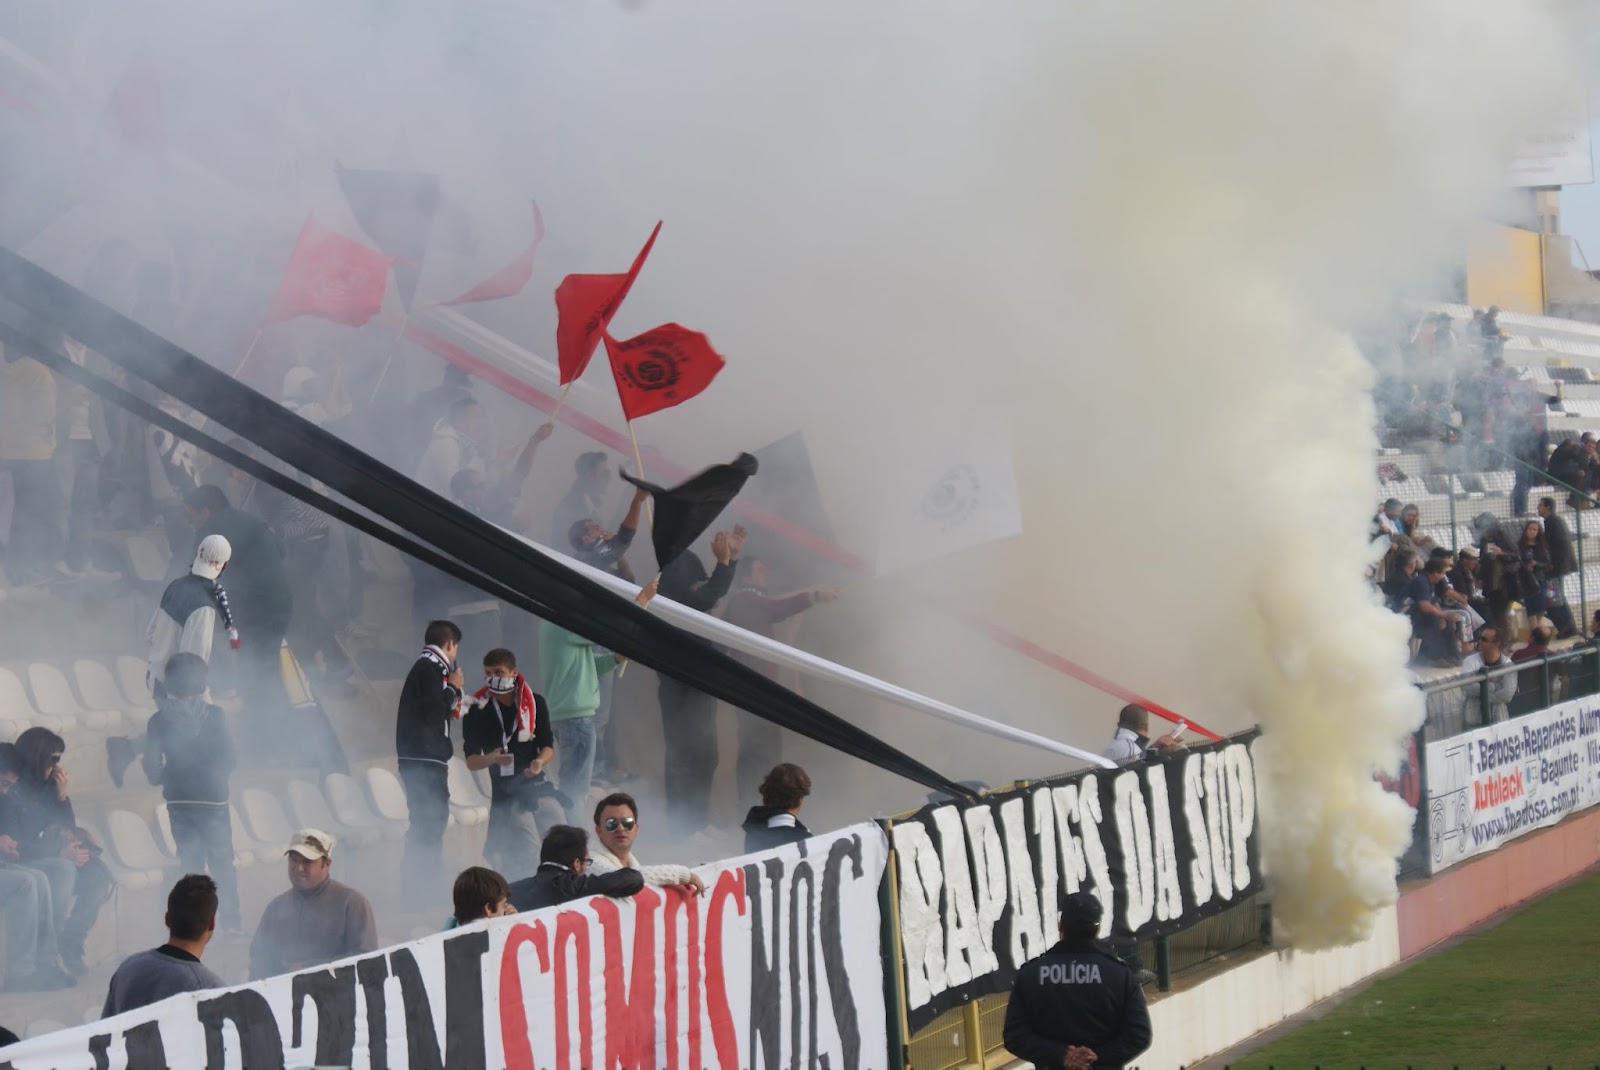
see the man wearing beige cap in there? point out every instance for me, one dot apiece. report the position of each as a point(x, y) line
point(317, 920)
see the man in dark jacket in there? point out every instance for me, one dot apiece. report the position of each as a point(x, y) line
point(506, 730)
point(754, 610)
point(429, 699)
point(189, 753)
point(1498, 559)
point(563, 858)
point(689, 716)
point(776, 821)
point(1563, 562)
point(1076, 1006)
point(258, 592)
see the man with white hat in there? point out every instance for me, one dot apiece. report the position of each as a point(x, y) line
point(317, 920)
point(185, 622)
point(186, 619)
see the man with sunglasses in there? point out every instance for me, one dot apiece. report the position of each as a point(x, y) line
point(616, 823)
point(566, 873)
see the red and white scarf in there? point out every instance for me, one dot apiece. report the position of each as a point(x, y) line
point(527, 707)
point(435, 655)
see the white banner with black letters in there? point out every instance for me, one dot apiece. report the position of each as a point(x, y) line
point(1494, 783)
point(777, 965)
point(1162, 844)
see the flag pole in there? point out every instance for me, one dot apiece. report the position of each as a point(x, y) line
point(562, 400)
point(251, 348)
point(649, 506)
point(638, 462)
point(400, 338)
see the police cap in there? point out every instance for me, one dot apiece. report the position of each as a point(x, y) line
point(1080, 910)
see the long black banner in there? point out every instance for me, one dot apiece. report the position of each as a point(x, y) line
point(485, 555)
point(1162, 844)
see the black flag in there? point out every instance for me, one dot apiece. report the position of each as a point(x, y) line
point(683, 513)
point(396, 209)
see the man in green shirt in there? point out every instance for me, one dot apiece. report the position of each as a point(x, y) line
point(570, 671)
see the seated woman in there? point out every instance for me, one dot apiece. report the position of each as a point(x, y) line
point(41, 820)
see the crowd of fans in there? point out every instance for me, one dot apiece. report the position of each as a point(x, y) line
point(1454, 396)
point(257, 574)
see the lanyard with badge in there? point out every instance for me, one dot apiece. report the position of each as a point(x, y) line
point(507, 689)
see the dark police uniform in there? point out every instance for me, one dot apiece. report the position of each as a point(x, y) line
point(1077, 994)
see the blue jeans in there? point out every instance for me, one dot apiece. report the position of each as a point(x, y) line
point(575, 764)
point(204, 839)
point(30, 924)
point(427, 788)
point(85, 889)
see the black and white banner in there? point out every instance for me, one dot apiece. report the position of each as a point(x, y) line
point(1494, 783)
point(777, 965)
point(1162, 845)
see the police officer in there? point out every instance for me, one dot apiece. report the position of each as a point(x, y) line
point(1076, 1006)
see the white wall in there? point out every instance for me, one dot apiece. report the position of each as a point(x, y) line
point(1238, 1003)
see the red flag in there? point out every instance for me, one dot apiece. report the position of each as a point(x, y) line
point(662, 367)
point(331, 276)
point(509, 280)
point(584, 307)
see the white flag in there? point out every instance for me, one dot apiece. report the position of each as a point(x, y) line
point(955, 492)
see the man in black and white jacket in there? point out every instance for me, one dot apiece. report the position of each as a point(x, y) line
point(429, 699)
point(186, 620)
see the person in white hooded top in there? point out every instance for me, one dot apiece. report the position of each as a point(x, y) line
point(616, 823)
point(452, 448)
point(185, 622)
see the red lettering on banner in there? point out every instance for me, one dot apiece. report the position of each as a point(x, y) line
point(1496, 790)
point(669, 971)
point(630, 1010)
point(573, 928)
point(689, 903)
point(515, 1042)
point(724, 1035)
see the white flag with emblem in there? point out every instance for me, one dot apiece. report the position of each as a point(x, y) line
point(948, 494)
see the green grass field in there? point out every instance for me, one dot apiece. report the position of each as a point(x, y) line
point(1525, 993)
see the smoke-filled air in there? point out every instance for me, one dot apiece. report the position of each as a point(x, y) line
point(1131, 238)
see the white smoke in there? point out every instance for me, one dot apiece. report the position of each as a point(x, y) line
point(1133, 232)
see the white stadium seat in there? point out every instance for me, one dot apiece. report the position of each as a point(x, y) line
point(15, 705)
point(350, 806)
point(308, 807)
point(134, 849)
point(131, 674)
point(264, 817)
point(467, 804)
point(52, 694)
point(96, 686)
point(387, 796)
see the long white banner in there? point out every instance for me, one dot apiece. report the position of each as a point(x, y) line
point(778, 965)
point(1492, 784)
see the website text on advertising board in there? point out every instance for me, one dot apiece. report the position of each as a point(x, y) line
point(1513, 818)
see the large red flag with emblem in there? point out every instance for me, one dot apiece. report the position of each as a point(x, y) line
point(331, 276)
point(662, 367)
point(584, 307)
point(509, 280)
